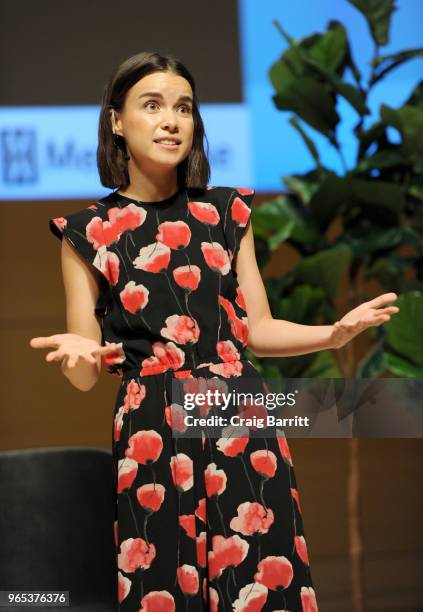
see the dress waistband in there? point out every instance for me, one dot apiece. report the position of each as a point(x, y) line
point(180, 371)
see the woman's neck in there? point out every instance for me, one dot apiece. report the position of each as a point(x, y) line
point(150, 188)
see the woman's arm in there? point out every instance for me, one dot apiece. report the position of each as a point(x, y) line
point(82, 291)
point(269, 337)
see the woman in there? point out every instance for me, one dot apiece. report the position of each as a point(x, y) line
point(158, 288)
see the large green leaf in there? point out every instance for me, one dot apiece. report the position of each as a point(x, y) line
point(378, 16)
point(311, 101)
point(324, 269)
point(317, 58)
point(286, 69)
point(329, 49)
point(404, 331)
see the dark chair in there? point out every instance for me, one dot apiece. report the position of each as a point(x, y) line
point(56, 525)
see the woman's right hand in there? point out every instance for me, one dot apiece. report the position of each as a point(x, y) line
point(71, 348)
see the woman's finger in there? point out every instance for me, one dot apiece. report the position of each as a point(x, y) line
point(54, 356)
point(44, 342)
point(388, 309)
point(383, 299)
point(72, 361)
point(105, 350)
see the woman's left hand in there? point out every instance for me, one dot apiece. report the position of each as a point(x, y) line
point(369, 314)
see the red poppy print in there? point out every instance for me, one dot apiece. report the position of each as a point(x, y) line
point(274, 572)
point(239, 326)
point(252, 518)
point(158, 601)
point(182, 471)
point(151, 496)
point(187, 521)
point(240, 212)
point(153, 258)
point(115, 358)
point(252, 598)
point(188, 579)
point(124, 586)
point(128, 469)
point(283, 447)
point(119, 221)
point(145, 446)
point(201, 509)
point(134, 396)
point(187, 277)
point(240, 300)
point(166, 355)
point(205, 212)
point(308, 599)
point(108, 264)
point(201, 541)
point(301, 548)
point(233, 443)
point(296, 496)
point(226, 552)
point(216, 257)
point(215, 480)
point(181, 329)
point(213, 599)
point(264, 462)
point(174, 234)
point(135, 554)
point(134, 297)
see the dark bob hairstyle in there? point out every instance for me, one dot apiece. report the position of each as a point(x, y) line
point(193, 171)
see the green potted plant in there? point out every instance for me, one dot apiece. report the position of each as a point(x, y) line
point(377, 205)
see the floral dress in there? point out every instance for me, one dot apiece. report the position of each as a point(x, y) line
point(202, 522)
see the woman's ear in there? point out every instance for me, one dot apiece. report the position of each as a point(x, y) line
point(116, 122)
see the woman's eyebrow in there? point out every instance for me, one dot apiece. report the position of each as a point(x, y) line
point(157, 94)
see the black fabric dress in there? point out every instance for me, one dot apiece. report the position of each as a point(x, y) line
point(203, 522)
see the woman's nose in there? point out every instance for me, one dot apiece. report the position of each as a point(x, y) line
point(169, 119)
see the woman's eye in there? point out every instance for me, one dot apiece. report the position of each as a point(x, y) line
point(185, 106)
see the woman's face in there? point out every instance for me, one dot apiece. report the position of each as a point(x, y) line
point(146, 118)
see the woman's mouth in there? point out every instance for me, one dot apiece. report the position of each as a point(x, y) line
point(167, 144)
